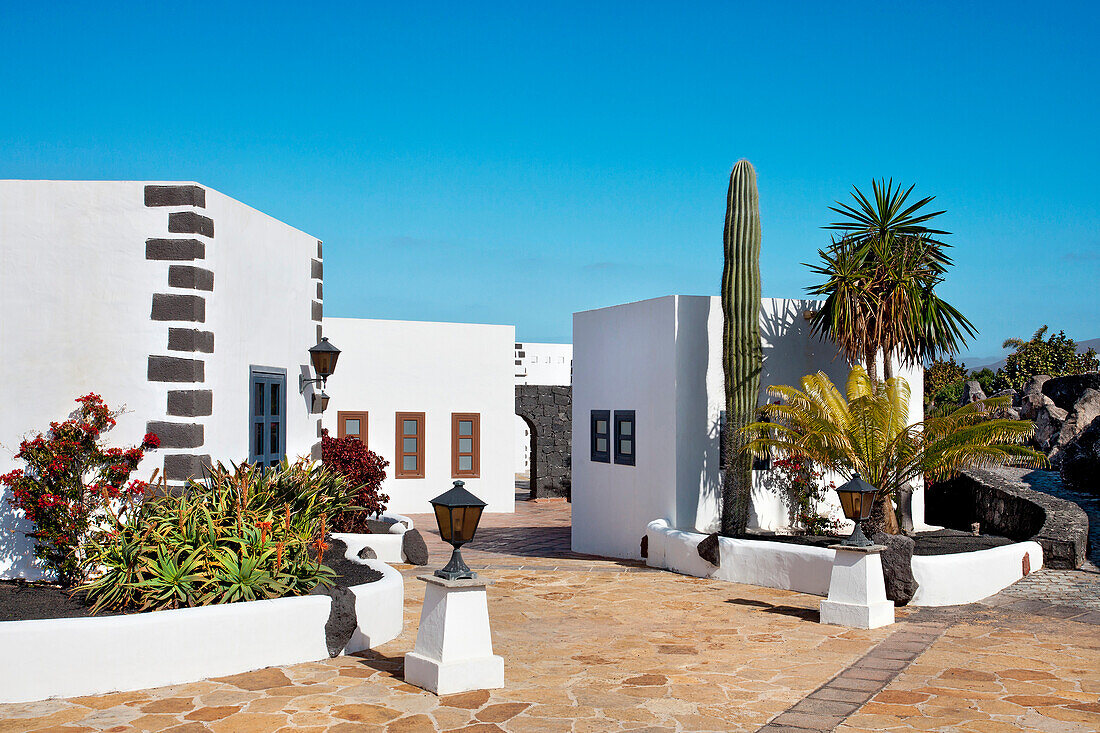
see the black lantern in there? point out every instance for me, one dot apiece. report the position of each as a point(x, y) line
point(457, 513)
point(857, 498)
point(323, 356)
point(320, 402)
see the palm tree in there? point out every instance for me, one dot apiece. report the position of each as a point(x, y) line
point(880, 281)
point(867, 431)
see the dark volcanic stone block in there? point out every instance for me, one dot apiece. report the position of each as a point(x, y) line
point(708, 549)
point(190, 402)
point(175, 369)
point(317, 311)
point(183, 466)
point(174, 249)
point(316, 270)
point(188, 222)
point(186, 276)
point(176, 434)
point(414, 547)
point(171, 307)
point(175, 196)
point(190, 339)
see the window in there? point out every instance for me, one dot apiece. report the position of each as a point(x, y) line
point(267, 416)
point(410, 445)
point(624, 437)
point(465, 445)
point(352, 425)
point(601, 436)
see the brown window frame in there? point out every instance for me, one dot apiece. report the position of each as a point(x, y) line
point(361, 416)
point(475, 455)
point(399, 446)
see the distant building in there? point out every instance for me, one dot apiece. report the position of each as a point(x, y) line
point(538, 364)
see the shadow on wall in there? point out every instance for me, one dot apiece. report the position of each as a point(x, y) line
point(16, 549)
point(790, 350)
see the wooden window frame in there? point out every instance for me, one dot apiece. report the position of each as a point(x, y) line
point(359, 415)
point(597, 455)
point(474, 472)
point(399, 447)
point(621, 416)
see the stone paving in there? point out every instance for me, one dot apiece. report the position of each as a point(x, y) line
point(602, 645)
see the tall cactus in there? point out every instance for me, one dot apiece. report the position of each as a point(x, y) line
point(741, 354)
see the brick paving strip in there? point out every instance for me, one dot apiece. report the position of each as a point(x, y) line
point(829, 705)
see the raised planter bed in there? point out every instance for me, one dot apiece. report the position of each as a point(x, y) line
point(945, 579)
point(66, 657)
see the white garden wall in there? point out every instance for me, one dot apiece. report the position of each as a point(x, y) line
point(388, 367)
point(77, 286)
point(663, 359)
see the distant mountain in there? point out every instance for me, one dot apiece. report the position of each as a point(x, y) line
point(1082, 347)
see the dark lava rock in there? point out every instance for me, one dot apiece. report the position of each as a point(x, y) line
point(368, 554)
point(972, 392)
point(342, 620)
point(379, 526)
point(897, 566)
point(1081, 460)
point(1065, 391)
point(708, 549)
point(335, 552)
point(414, 547)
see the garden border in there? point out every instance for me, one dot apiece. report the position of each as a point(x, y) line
point(945, 580)
point(69, 657)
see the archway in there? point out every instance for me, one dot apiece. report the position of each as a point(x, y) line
point(547, 410)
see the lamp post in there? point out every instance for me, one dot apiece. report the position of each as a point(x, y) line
point(457, 513)
point(454, 647)
point(323, 357)
point(857, 498)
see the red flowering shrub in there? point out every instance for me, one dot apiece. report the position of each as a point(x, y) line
point(802, 483)
point(70, 481)
point(361, 468)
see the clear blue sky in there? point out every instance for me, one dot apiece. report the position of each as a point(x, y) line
point(513, 163)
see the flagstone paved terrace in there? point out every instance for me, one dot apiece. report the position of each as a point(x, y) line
point(600, 645)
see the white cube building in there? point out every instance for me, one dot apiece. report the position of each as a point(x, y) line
point(648, 395)
point(190, 308)
point(436, 400)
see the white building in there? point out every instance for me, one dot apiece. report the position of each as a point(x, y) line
point(172, 299)
point(538, 364)
point(648, 393)
point(434, 399)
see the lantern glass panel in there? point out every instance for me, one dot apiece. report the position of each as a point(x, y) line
point(469, 522)
point(847, 504)
point(443, 519)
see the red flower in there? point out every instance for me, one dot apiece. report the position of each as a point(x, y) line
point(151, 441)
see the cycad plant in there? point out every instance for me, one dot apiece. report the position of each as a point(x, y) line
point(866, 431)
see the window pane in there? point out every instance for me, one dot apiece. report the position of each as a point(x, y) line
point(274, 399)
point(465, 427)
point(351, 427)
point(408, 427)
point(465, 445)
point(626, 447)
point(258, 403)
point(258, 440)
point(275, 463)
point(465, 463)
point(408, 445)
point(601, 445)
point(408, 463)
point(626, 427)
point(274, 438)
point(601, 427)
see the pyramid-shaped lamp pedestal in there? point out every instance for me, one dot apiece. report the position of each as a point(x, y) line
point(454, 649)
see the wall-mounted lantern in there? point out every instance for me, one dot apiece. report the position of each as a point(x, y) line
point(323, 356)
point(857, 498)
point(457, 513)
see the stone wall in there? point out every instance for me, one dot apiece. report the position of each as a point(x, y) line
point(1001, 502)
point(548, 411)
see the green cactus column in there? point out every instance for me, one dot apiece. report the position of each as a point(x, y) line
point(741, 356)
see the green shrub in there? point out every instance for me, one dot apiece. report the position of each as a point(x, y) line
point(1055, 356)
point(242, 534)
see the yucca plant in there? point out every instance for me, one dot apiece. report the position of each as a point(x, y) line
point(866, 431)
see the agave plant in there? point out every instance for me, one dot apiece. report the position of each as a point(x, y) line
point(866, 431)
point(173, 581)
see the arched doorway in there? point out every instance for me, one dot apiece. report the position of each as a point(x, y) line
point(547, 412)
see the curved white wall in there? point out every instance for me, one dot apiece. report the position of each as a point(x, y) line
point(968, 577)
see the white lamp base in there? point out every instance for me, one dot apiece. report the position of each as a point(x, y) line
point(454, 649)
point(857, 589)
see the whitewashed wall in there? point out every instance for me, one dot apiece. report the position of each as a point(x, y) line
point(75, 301)
point(388, 367)
point(663, 359)
point(543, 363)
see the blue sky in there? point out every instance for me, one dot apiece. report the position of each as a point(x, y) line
point(514, 163)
